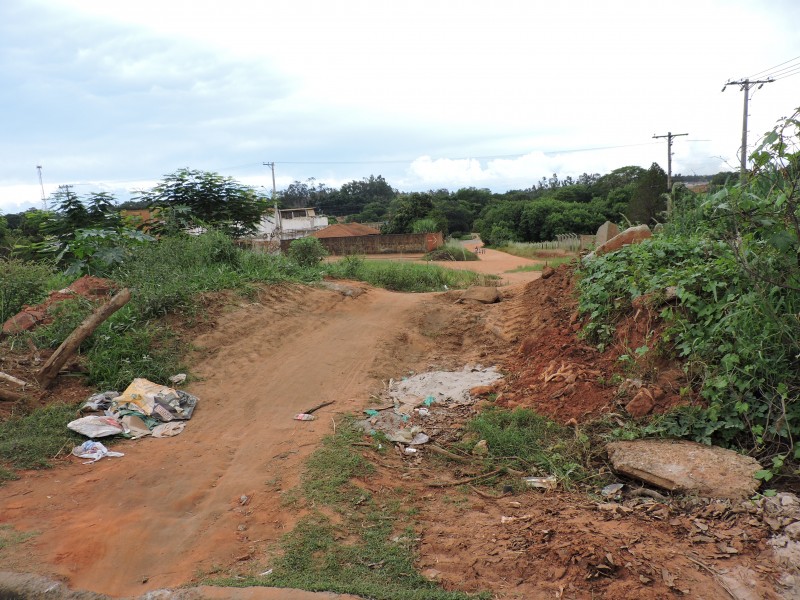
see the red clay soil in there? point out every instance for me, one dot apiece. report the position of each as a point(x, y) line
point(171, 510)
point(560, 375)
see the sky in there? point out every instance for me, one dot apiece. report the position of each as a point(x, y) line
point(112, 96)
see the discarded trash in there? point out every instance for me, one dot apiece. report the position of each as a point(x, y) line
point(135, 426)
point(480, 449)
point(170, 429)
point(93, 450)
point(265, 573)
point(422, 412)
point(371, 412)
point(99, 401)
point(429, 400)
point(611, 490)
point(150, 398)
point(178, 379)
point(95, 426)
point(542, 483)
point(420, 439)
point(410, 450)
point(304, 417)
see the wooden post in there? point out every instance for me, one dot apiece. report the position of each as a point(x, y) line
point(49, 371)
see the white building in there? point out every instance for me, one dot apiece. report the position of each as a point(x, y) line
point(291, 224)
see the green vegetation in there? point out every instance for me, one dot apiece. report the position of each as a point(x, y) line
point(526, 441)
point(455, 252)
point(31, 441)
point(408, 277)
point(307, 252)
point(733, 259)
point(21, 283)
point(377, 558)
point(534, 252)
point(10, 538)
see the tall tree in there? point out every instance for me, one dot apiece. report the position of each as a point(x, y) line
point(648, 199)
point(209, 199)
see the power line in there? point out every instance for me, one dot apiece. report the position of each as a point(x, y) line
point(771, 68)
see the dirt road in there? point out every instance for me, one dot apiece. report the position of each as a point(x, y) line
point(174, 508)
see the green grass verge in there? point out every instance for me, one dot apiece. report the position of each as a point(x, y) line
point(524, 250)
point(32, 441)
point(368, 552)
point(549, 262)
point(407, 277)
point(525, 440)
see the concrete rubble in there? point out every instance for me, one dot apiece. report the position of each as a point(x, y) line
point(687, 467)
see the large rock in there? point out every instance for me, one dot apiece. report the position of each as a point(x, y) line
point(484, 295)
point(606, 231)
point(632, 235)
point(688, 467)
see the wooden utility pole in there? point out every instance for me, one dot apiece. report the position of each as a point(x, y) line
point(745, 87)
point(669, 137)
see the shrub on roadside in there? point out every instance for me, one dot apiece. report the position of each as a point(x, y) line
point(21, 283)
point(455, 252)
point(307, 252)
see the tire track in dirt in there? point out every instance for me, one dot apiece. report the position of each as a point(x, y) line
point(172, 509)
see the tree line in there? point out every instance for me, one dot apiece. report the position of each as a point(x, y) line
point(189, 199)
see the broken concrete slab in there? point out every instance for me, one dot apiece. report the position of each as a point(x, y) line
point(605, 232)
point(632, 235)
point(687, 467)
point(484, 295)
point(348, 291)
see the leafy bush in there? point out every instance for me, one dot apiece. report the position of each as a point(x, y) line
point(307, 252)
point(21, 283)
point(455, 252)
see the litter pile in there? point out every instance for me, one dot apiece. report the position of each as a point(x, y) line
point(415, 409)
point(144, 408)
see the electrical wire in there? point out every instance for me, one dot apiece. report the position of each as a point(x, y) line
point(773, 68)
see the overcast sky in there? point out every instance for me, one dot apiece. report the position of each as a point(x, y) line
point(110, 95)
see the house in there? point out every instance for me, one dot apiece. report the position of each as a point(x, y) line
point(291, 223)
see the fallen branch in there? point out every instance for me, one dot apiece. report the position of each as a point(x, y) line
point(9, 396)
point(12, 379)
point(483, 494)
point(317, 407)
point(49, 371)
point(441, 484)
point(649, 493)
point(716, 576)
point(447, 454)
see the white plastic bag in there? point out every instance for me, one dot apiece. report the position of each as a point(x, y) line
point(94, 451)
point(95, 426)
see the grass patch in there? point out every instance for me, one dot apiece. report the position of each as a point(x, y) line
point(32, 441)
point(550, 262)
point(533, 252)
point(408, 277)
point(525, 440)
point(455, 252)
point(368, 552)
point(9, 537)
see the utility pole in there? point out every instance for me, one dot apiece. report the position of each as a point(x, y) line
point(669, 137)
point(271, 165)
point(745, 87)
point(278, 224)
point(41, 184)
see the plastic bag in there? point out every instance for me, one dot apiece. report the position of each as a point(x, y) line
point(94, 451)
point(95, 426)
